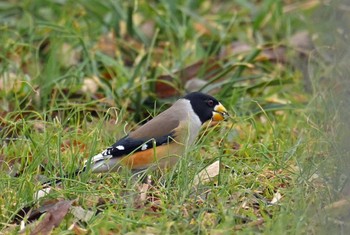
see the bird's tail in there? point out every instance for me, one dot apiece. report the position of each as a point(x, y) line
point(47, 185)
point(58, 181)
point(99, 163)
point(96, 164)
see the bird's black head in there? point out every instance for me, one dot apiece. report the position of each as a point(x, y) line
point(206, 107)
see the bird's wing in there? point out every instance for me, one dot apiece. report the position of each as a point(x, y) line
point(128, 145)
point(160, 130)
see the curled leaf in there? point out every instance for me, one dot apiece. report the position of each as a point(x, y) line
point(207, 174)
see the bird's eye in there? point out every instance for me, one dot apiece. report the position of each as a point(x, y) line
point(210, 103)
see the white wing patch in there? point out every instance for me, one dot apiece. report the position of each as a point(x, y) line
point(105, 155)
point(120, 147)
point(144, 147)
point(98, 157)
point(102, 162)
point(101, 156)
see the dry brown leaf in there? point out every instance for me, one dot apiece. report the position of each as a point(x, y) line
point(107, 44)
point(339, 208)
point(76, 229)
point(209, 67)
point(207, 174)
point(275, 54)
point(201, 28)
point(301, 6)
point(166, 87)
point(276, 99)
point(148, 28)
point(31, 213)
point(147, 197)
point(166, 84)
point(52, 218)
point(143, 192)
point(194, 84)
point(235, 145)
point(11, 82)
point(142, 196)
point(69, 144)
point(301, 42)
point(39, 126)
point(235, 48)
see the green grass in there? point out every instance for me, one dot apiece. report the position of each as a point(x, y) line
point(51, 122)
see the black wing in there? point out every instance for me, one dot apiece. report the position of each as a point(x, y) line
point(128, 145)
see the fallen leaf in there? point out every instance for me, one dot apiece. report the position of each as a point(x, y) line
point(52, 218)
point(301, 42)
point(207, 68)
point(77, 229)
point(276, 198)
point(143, 192)
point(13, 82)
point(276, 99)
point(268, 53)
point(68, 56)
point(166, 84)
point(339, 208)
point(90, 85)
point(301, 6)
point(202, 28)
point(69, 144)
point(39, 126)
point(29, 213)
point(235, 145)
point(207, 174)
point(166, 87)
point(275, 54)
point(107, 44)
point(235, 48)
point(194, 84)
point(148, 28)
point(81, 214)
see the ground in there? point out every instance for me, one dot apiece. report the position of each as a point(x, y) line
point(77, 75)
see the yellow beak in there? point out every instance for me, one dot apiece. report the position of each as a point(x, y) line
point(219, 113)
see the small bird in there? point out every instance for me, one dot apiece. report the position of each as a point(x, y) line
point(162, 140)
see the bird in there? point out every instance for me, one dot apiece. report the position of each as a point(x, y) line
point(161, 141)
